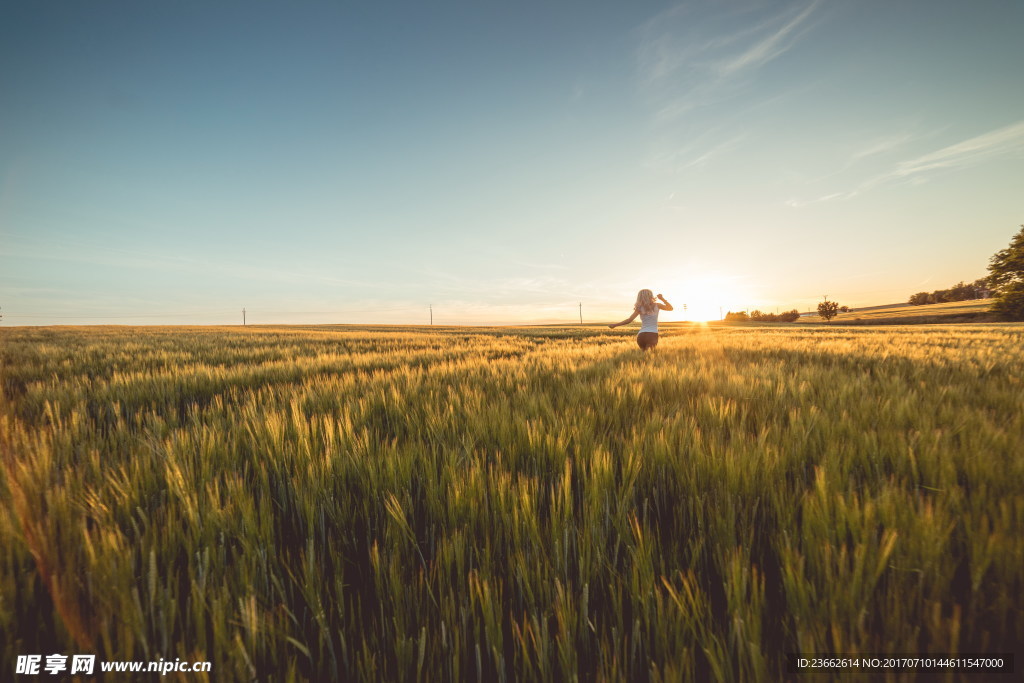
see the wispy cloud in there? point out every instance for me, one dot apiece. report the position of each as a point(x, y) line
point(698, 153)
point(879, 146)
point(1002, 142)
point(696, 70)
point(697, 55)
point(773, 41)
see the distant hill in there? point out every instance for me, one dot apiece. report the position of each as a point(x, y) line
point(862, 309)
point(952, 311)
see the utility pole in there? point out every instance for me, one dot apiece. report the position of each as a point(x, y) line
point(581, 313)
point(431, 314)
point(243, 317)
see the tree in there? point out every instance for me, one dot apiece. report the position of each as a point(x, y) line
point(962, 291)
point(1006, 275)
point(828, 309)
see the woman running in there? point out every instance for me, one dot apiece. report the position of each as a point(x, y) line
point(647, 308)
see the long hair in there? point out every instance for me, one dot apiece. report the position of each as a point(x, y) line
point(645, 302)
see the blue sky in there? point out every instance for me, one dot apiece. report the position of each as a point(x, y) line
point(502, 162)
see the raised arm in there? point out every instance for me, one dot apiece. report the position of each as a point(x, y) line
point(626, 321)
point(665, 305)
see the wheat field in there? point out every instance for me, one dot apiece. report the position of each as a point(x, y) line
point(497, 504)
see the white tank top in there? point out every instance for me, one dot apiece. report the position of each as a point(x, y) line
point(649, 321)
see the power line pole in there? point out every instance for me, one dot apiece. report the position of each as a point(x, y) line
point(243, 317)
point(581, 313)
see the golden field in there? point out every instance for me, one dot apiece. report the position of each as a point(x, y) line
point(423, 504)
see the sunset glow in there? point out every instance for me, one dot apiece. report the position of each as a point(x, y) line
point(412, 163)
point(708, 297)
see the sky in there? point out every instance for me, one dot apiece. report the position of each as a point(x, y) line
point(499, 162)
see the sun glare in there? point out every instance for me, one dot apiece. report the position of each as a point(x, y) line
point(701, 299)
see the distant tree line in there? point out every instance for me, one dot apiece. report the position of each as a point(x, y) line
point(1005, 283)
point(962, 291)
point(758, 316)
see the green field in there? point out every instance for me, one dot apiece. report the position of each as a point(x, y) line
point(950, 308)
point(511, 504)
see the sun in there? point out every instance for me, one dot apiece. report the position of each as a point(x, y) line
point(702, 311)
point(706, 297)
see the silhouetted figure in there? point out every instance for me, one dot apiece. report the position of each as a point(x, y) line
point(647, 308)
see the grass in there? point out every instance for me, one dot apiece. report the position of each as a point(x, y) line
point(510, 504)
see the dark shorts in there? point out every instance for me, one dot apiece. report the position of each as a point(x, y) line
point(647, 340)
